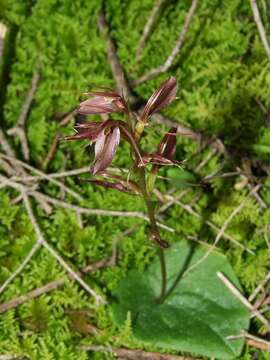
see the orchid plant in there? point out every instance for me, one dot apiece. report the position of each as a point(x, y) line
point(106, 135)
point(164, 311)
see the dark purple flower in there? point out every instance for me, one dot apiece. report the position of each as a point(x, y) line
point(106, 136)
point(167, 145)
point(102, 102)
point(105, 148)
point(161, 98)
point(165, 153)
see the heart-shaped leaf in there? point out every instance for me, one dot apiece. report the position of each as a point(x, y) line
point(199, 314)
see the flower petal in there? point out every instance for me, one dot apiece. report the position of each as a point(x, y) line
point(99, 145)
point(162, 97)
point(156, 159)
point(97, 105)
point(107, 154)
point(167, 145)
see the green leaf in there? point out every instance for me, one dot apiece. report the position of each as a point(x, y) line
point(180, 178)
point(198, 315)
point(264, 149)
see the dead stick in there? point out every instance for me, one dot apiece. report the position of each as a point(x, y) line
point(53, 175)
point(18, 169)
point(53, 285)
point(134, 354)
point(118, 73)
point(221, 231)
point(31, 295)
point(260, 26)
point(44, 176)
point(19, 128)
point(213, 226)
point(81, 210)
point(241, 298)
point(259, 287)
point(45, 244)
point(149, 26)
point(21, 267)
point(178, 45)
point(51, 152)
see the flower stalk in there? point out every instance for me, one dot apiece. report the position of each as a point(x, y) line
point(106, 136)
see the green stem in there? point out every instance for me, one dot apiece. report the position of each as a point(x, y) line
point(162, 297)
point(154, 228)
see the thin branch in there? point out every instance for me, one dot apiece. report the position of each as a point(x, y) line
point(60, 174)
point(25, 262)
point(241, 298)
point(260, 26)
point(31, 295)
point(53, 285)
point(252, 340)
point(149, 26)
point(262, 345)
point(259, 287)
point(19, 128)
point(81, 210)
point(257, 196)
point(43, 242)
point(123, 86)
point(118, 73)
point(178, 45)
point(44, 176)
point(134, 354)
point(5, 144)
point(19, 169)
point(61, 261)
point(51, 152)
point(222, 231)
point(13, 356)
point(213, 226)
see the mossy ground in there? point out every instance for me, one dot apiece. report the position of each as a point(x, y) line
point(222, 71)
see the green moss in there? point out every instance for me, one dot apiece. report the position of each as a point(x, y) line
point(222, 71)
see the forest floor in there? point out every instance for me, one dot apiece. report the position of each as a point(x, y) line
point(66, 243)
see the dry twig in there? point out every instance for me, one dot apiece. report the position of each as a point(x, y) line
point(43, 242)
point(19, 128)
point(60, 174)
point(191, 211)
point(222, 231)
point(62, 262)
point(56, 140)
point(149, 26)
point(13, 356)
point(78, 209)
point(17, 167)
point(118, 73)
point(241, 298)
point(128, 354)
point(178, 45)
point(51, 152)
point(53, 285)
point(260, 26)
point(21, 267)
point(43, 176)
point(31, 295)
point(259, 287)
